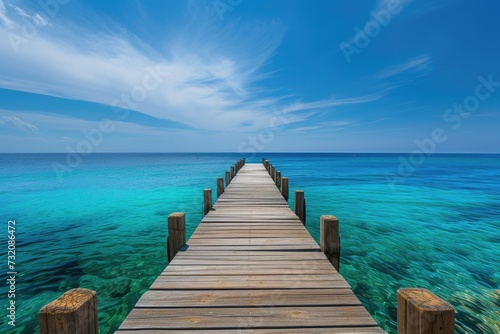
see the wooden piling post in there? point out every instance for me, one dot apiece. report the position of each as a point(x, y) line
point(176, 234)
point(207, 201)
point(228, 178)
point(330, 239)
point(74, 312)
point(220, 186)
point(266, 164)
point(420, 311)
point(233, 174)
point(300, 206)
point(278, 179)
point(243, 161)
point(284, 188)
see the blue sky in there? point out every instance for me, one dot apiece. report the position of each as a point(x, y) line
point(250, 76)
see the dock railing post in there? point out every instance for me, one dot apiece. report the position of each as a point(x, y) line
point(74, 312)
point(284, 188)
point(278, 179)
point(243, 161)
point(176, 234)
point(207, 201)
point(300, 205)
point(233, 174)
point(420, 311)
point(228, 178)
point(330, 239)
point(220, 186)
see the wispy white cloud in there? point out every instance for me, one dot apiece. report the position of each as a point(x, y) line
point(20, 11)
point(4, 19)
point(18, 123)
point(337, 123)
point(307, 128)
point(39, 20)
point(414, 65)
point(199, 86)
point(296, 106)
point(16, 17)
point(205, 80)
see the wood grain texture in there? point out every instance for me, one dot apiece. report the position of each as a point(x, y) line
point(75, 312)
point(251, 267)
point(420, 311)
point(176, 234)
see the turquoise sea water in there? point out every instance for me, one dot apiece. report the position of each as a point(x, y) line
point(103, 226)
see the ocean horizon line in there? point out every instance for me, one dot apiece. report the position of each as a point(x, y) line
point(264, 153)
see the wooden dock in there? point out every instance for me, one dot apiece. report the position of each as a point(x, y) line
point(250, 267)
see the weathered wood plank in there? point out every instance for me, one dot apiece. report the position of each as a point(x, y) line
point(249, 298)
point(309, 330)
point(245, 317)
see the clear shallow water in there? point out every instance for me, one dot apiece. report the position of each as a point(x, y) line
point(103, 227)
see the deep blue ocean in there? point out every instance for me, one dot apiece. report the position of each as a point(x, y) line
point(101, 224)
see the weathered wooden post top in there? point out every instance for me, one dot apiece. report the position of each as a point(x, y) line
point(75, 312)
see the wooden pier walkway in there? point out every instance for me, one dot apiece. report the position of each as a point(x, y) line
point(250, 267)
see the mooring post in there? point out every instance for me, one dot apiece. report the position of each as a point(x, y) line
point(284, 188)
point(420, 311)
point(266, 164)
point(176, 234)
point(233, 174)
point(330, 239)
point(207, 201)
point(278, 179)
point(300, 205)
point(220, 186)
point(243, 161)
point(74, 312)
point(228, 178)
